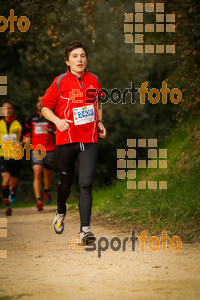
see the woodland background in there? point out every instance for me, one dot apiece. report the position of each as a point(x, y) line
point(31, 60)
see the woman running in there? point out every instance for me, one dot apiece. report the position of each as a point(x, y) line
point(75, 98)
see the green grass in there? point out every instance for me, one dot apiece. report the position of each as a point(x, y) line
point(174, 209)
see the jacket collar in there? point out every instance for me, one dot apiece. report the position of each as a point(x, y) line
point(85, 71)
point(9, 121)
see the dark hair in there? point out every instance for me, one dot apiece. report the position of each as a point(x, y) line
point(74, 45)
point(7, 101)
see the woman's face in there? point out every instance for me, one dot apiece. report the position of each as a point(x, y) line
point(77, 61)
point(8, 110)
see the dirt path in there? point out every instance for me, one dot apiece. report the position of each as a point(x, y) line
point(41, 265)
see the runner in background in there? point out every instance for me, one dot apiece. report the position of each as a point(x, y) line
point(10, 132)
point(42, 132)
point(75, 98)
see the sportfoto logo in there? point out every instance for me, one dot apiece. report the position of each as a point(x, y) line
point(3, 234)
point(115, 95)
point(74, 244)
point(3, 86)
point(23, 22)
point(116, 244)
point(17, 152)
point(127, 163)
point(134, 27)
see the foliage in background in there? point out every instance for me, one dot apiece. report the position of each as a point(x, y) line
point(31, 60)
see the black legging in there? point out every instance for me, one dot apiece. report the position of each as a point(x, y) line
point(66, 156)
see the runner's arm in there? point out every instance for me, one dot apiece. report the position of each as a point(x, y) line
point(61, 124)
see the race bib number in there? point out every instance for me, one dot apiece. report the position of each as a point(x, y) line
point(83, 115)
point(12, 137)
point(40, 129)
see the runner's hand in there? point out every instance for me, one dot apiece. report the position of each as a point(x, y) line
point(102, 130)
point(63, 124)
point(24, 139)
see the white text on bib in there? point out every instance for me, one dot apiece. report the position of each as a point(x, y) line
point(83, 115)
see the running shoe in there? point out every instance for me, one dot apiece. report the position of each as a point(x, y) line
point(58, 223)
point(47, 197)
point(8, 211)
point(39, 205)
point(86, 236)
point(12, 197)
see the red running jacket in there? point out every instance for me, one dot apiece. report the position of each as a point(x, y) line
point(42, 131)
point(75, 99)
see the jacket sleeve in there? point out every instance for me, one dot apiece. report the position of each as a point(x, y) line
point(50, 99)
